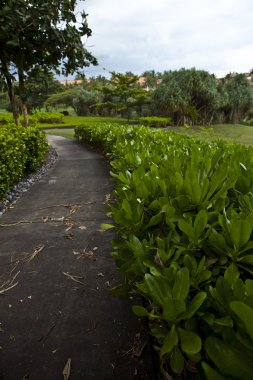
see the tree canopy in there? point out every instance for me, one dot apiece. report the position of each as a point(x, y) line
point(123, 94)
point(196, 97)
point(40, 34)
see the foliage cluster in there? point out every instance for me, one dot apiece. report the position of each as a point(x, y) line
point(48, 117)
point(22, 150)
point(40, 37)
point(40, 117)
point(197, 97)
point(183, 216)
point(155, 122)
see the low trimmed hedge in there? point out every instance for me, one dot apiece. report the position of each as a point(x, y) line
point(155, 122)
point(22, 150)
point(49, 117)
point(183, 217)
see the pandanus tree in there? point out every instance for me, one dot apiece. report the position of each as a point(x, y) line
point(42, 34)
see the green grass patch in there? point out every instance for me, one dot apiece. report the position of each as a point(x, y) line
point(230, 132)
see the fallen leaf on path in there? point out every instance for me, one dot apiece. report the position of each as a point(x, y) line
point(61, 219)
point(107, 198)
point(74, 278)
point(15, 224)
point(82, 228)
point(69, 237)
point(9, 284)
point(45, 219)
point(67, 369)
point(37, 250)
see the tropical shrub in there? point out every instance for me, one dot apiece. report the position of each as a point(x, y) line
point(21, 150)
point(183, 217)
point(6, 118)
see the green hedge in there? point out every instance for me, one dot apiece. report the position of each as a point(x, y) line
point(49, 117)
point(183, 217)
point(155, 122)
point(40, 117)
point(22, 150)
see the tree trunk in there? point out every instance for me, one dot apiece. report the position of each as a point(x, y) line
point(23, 96)
point(10, 89)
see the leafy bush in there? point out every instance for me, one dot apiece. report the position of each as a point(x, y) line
point(183, 217)
point(49, 117)
point(155, 122)
point(6, 118)
point(21, 150)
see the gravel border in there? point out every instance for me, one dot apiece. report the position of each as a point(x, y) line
point(16, 191)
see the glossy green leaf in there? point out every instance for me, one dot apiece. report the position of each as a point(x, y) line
point(186, 228)
point(194, 305)
point(210, 373)
point(177, 361)
point(172, 309)
point(140, 311)
point(228, 360)
point(231, 274)
point(182, 284)
point(245, 314)
point(240, 232)
point(190, 341)
point(200, 223)
point(170, 341)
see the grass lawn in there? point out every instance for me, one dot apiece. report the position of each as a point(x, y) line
point(230, 132)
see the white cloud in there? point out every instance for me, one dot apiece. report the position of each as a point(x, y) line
point(139, 35)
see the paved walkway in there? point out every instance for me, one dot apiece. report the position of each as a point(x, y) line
point(55, 271)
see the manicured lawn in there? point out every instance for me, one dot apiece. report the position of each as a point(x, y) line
point(231, 132)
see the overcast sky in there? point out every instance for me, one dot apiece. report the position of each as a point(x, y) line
point(139, 35)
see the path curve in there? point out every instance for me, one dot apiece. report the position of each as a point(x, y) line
point(55, 271)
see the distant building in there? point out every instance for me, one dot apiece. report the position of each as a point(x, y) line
point(71, 82)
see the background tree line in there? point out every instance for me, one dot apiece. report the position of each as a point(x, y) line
point(187, 96)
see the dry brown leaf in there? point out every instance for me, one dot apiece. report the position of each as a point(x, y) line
point(37, 250)
point(107, 198)
point(61, 219)
point(15, 224)
point(69, 236)
point(67, 369)
point(82, 228)
point(74, 278)
point(9, 284)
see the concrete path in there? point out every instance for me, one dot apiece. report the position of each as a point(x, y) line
point(56, 314)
